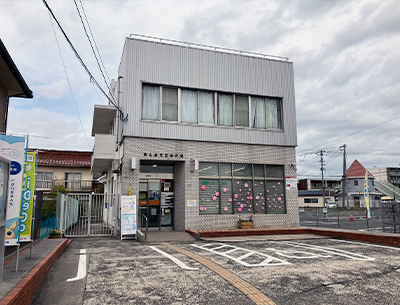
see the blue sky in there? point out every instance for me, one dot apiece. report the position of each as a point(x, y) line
point(345, 55)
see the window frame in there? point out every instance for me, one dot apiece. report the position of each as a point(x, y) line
point(215, 119)
point(252, 180)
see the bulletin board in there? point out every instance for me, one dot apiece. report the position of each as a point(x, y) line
point(128, 217)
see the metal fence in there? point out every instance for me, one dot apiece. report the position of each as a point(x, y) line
point(354, 219)
point(390, 217)
point(86, 214)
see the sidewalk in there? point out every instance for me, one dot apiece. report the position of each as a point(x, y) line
point(19, 287)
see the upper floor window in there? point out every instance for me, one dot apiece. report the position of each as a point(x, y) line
point(355, 182)
point(215, 108)
point(73, 181)
point(44, 180)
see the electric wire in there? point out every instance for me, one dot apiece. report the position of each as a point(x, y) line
point(91, 45)
point(94, 41)
point(92, 79)
point(69, 83)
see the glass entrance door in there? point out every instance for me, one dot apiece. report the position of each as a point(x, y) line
point(156, 202)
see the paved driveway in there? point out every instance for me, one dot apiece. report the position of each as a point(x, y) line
point(298, 271)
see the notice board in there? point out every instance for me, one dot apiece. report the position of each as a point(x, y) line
point(128, 216)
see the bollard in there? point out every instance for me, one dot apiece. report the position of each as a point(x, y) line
point(338, 223)
point(317, 217)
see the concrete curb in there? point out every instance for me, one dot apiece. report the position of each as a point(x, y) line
point(24, 291)
point(382, 238)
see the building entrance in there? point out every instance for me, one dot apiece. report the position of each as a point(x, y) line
point(156, 196)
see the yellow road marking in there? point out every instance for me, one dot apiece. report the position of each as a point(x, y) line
point(251, 292)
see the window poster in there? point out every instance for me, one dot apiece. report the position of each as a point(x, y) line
point(128, 215)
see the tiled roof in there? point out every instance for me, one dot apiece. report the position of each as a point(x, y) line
point(357, 170)
point(64, 157)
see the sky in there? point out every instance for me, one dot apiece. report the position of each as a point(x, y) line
point(345, 54)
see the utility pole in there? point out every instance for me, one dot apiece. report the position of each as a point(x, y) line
point(344, 186)
point(321, 153)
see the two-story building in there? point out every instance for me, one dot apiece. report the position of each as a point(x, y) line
point(203, 136)
point(355, 181)
point(70, 169)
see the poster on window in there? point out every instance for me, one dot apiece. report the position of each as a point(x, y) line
point(28, 194)
point(128, 215)
point(291, 183)
point(12, 148)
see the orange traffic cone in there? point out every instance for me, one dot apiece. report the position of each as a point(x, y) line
point(351, 217)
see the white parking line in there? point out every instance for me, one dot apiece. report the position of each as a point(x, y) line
point(81, 267)
point(327, 250)
point(269, 261)
point(172, 258)
point(366, 244)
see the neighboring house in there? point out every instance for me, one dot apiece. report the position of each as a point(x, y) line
point(70, 169)
point(12, 84)
point(331, 185)
point(389, 174)
point(356, 177)
point(314, 198)
point(205, 136)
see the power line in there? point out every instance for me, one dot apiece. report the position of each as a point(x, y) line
point(92, 79)
point(69, 84)
point(90, 42)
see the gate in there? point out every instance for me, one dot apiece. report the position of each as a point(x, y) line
point(87, 214)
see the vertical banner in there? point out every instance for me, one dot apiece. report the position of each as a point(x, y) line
point(27, 198)
point(12, 149)
point(128, 215)
point(366, 194)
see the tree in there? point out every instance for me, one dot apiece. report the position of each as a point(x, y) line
point(49, 206)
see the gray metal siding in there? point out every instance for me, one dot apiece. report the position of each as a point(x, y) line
point(152, 62)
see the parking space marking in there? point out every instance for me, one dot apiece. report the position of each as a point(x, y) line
point(327, 250)
point(250, 291)
point(269, 261)
point(366, 244)
point(81, 267)
point(172, 258)
point(287, 254)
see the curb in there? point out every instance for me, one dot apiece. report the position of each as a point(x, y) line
point(24, 291)
point(383, 239)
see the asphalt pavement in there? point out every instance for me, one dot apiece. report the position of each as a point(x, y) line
point(291, 269)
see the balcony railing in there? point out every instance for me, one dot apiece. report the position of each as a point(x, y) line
point(71, 185)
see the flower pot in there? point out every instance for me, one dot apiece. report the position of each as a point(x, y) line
point(245, 225)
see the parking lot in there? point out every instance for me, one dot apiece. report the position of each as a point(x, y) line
point(282, 271)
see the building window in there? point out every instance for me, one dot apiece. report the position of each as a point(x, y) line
point(189, 106)
point(355, 183)
point(241, 110)
point(150, 103)
point(310, 200)
point(73, 181)
point(206, 107)
point(169, 104)
point(225, 109)
point(198, 107)
point(274, 113)
point(226, 188)
point(44, 180)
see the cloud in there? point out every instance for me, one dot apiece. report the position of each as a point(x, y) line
point(54, 90)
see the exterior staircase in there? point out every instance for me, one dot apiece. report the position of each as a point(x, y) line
point(388, 189)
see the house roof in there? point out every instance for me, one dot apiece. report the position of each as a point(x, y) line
point(10, 76)
point(64, 157)
point(356, 170)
